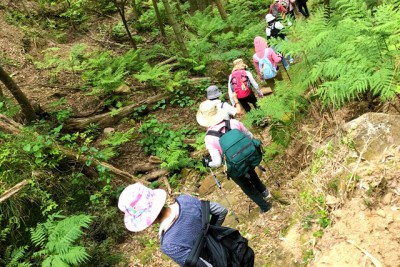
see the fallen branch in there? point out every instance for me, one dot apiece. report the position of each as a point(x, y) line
point(13, 190)
point(155, 175)
point(372, 258)
point(107, 119)
point(165, 180)
point(172, 59)
point(9, 126)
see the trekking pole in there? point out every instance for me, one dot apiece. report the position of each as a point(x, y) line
point(272, 174)
point(287, 73)
point(220, 187)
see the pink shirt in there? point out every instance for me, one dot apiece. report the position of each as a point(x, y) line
point(272, 56)
point(212, 142)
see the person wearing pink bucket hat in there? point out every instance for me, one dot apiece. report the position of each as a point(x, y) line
point(180, 223)
point(262, 50)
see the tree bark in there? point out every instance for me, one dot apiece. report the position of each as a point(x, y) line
point(135, 11)
point(193, 6)
point(22, 100)
point(106, 119)
point(13, 190)
point(9, 126)
point(176, 28)
point(121, 10)
point(221, 9)
point(159, 20)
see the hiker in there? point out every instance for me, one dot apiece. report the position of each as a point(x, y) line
point(289, 6)
point(274, 30)
point(211, 117)
point(302, 6)
point(265, 59)
point(180, 223)
point(277, 9)
point(213, 94)
point(239, 82)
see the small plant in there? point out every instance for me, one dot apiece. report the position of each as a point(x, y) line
point(309, 256)
point(113, 141)
point(307, 222)
point(56, 240)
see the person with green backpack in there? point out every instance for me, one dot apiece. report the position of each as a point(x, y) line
point(232, 142)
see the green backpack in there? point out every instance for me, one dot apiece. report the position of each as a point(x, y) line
point(241, 153)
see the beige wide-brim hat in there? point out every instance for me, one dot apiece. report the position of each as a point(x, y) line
point(238, 64)
point(209, 114)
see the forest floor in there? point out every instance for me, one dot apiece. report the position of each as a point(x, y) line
point(365, 228)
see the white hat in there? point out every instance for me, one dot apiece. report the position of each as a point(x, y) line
point(209, 114)
point(141, 206)
point(269, 17)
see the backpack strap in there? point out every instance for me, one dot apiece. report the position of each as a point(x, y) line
point(219, 133)
point(194, 255)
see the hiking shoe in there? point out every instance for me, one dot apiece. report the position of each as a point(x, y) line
point(266, 194)
point(262, 211)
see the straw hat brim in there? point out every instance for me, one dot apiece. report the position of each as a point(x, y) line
point(150, 215)
point(210, 121)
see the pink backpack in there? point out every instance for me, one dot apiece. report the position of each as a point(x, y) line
point(240, 83)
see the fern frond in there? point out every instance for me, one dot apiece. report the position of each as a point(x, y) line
point(39, 235)
point(75, 256)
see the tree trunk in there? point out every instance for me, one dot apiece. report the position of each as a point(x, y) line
point(221, 9)
point(159, 20)
point(193, 6)
point(12, 191)
point(201, 4)
point(22, 100)
point(9, 126)
point(121, 10)
point(176, 28)
point(135, 12)
point(106, 119)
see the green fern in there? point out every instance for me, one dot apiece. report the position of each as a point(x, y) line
point(353, 54)
point(56, 240)
point(13, 256)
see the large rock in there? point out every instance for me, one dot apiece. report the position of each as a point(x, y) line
point(372, 133)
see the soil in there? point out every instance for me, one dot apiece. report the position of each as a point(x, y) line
point(365, 228)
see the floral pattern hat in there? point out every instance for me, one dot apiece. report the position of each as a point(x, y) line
point(141, 206)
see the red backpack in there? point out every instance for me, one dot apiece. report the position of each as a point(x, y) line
point(240, 83)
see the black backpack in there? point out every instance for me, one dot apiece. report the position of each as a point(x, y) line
point(275, 33)
point(219, 245)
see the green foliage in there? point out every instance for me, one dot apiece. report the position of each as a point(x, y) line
point(76, 11)
point(56, 240)
point(352, 55)
point(113, 141)
point(101, 71)
point(165, 142)
point(14, 255)
point(154, 75)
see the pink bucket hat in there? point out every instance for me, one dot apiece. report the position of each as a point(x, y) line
point(141, 206)
point(260, 44)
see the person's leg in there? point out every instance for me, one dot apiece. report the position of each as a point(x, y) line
point(252, 99)
point(300, 6)
point(255, 180)
point(306, 9)
point(245, 104)
point(285, 63)
point(248, 188)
